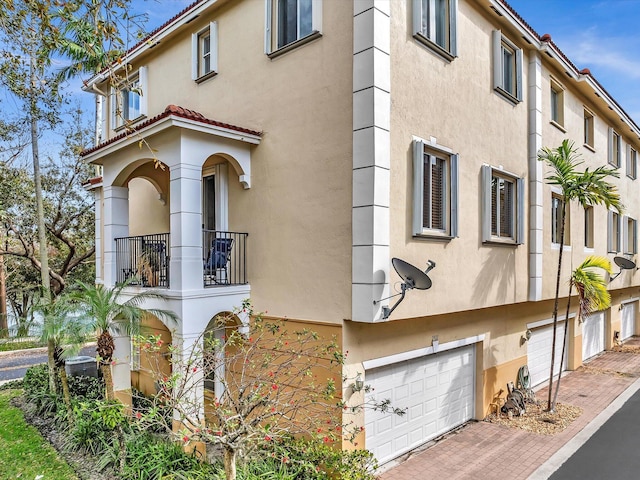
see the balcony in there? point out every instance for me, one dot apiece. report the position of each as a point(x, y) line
point(224, 258)
point(143, 260)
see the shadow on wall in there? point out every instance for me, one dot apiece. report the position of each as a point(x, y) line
point(497, 273)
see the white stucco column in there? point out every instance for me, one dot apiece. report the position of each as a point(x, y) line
point(186, 226)
point(371, 157)
point(536, 190)
point(97, 195)
point(121, 367)
point(116, 225)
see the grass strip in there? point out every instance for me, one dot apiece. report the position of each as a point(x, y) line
point(25, 454)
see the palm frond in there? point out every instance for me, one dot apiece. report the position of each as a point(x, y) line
point(591, 285)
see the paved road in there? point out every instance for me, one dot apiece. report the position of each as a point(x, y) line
point(14, 365)
point(612, 452)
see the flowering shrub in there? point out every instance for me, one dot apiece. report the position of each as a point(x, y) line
point(272, 383)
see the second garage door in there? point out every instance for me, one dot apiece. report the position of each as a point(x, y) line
point(438, 392)
point(539, 353)
point(592, 335)
point(628, 320)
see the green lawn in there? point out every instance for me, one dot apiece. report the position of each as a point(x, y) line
point(25, 454)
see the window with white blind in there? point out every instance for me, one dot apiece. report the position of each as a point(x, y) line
point(502, 206)
point(435, 191)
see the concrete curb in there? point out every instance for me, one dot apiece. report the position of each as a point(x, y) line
point(557, 459)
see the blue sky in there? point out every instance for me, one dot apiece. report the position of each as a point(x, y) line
point(601, 35)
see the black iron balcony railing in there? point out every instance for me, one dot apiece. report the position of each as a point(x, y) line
point(144, 260)
point(224, 258)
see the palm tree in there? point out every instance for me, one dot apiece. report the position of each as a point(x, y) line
point(66, 334)
point(592, 297)
point(589, 187)
point(111, 313)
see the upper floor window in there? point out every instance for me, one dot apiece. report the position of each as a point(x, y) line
point(615, 144)
point(503, 206)
point(632, 162)
point(557, 103)
point(434, 24)
point(630, 236)
point(588, 129)
point(507, 68)
point(204, 46)
point(557, 219)
point(435, 211)
point(290, 22)
point(588, 226)
point(128, 102)
point(613, 232)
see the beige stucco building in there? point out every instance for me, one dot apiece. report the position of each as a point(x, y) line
point(307, 143)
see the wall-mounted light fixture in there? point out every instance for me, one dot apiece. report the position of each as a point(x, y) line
point(358, 384)
point(525, 337)
point(616, 336)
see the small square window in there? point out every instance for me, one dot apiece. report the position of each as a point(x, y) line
point(632, 163)
point(503, 207)
point(588, 128)
point(615, 144)
point(557, 205)
point(434, 24)
point(507, 68)
point(204, 45)
point(588, 226)
point(291, 22)
point(435, 191)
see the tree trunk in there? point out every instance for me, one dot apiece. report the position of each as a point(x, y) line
point(108, 381)
point(230, 463)
point(564, 346)
point(52, 366)
point(65, 394)
point(555, 304)
point(4, 324)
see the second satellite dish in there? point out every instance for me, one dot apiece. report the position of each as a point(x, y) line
point(624, 264)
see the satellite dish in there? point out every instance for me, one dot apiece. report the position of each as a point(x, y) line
point(624, 264)
point(412, 277)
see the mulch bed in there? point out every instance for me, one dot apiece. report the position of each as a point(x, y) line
point(537, 420)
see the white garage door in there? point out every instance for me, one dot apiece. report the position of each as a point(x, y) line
point(592, 335)
point(628, 320)
point(539, 353)
point(438, 392)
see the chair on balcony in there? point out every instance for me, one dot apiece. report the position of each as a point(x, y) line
point(217, 263)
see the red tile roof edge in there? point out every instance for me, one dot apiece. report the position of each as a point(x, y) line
point(176, 111)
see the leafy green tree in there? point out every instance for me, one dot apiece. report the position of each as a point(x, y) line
point(588, 187)
point(111, 311)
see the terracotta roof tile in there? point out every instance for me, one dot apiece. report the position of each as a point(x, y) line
point(171, 110)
